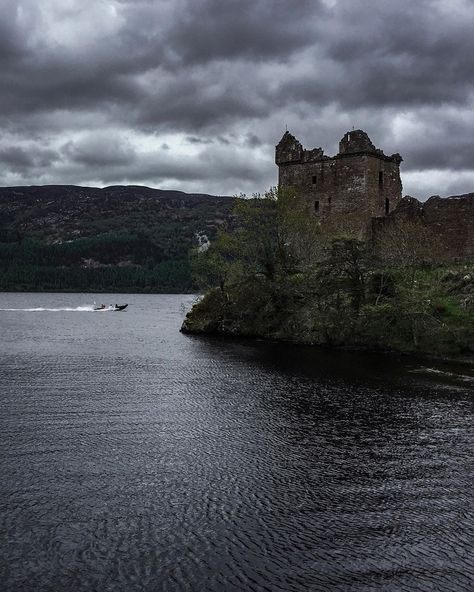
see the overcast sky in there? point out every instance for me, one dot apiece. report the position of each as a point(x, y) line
point(194, 94)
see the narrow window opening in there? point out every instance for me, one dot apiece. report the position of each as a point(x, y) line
point(348, 137)
point(313, 180)
point(387, 206)
point(329, 203)
point(380, 179)
point(316, 206)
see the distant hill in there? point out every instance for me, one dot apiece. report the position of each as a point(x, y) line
point(120, 238)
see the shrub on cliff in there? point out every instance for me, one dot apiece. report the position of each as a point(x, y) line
point(278, 275)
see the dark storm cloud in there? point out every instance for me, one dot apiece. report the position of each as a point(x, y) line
point(389, 54)
point(447, 144)
point(184, 103)
point(13, 39)
point(19, 158)
point(210, 166)
point(100, 151)
point(196, 140)
point(176, 93)
point(211, 30)
point(97, 84)
point(252, 140)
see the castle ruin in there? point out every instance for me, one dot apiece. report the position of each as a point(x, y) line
point(360, 180)
point(360, 189)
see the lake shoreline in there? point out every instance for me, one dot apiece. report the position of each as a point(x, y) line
point(208, 320)
point(90, 291)
point(358, 349)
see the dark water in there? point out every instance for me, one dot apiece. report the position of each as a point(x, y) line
point(135, 458)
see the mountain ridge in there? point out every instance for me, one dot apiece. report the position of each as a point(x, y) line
point(120, 237)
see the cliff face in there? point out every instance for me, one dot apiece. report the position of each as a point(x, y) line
point(121, 237)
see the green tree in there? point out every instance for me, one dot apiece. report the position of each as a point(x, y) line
point(271, 235)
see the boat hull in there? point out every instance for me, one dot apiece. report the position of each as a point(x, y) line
point(116, 308)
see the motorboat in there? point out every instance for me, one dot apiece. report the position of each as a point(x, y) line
point(111, 307)
point(119, 307)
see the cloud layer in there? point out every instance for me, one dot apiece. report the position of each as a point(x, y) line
point(194, 94)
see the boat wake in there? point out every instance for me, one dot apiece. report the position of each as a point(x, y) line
point(85, 308)
point(88, 308)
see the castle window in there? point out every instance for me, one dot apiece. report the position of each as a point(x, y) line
point(329, 203)
point(380, 179)
point(387, 206)
point(316, 206)
point(314, 180)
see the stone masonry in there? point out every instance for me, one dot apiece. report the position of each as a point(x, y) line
point(449, 220)
point(360, 180)
point(360, 189)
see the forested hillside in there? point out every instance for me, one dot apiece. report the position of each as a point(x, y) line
point(122, 238)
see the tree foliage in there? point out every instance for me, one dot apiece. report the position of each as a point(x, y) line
point(282, 274)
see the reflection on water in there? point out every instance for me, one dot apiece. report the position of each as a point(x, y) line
point(137, 458)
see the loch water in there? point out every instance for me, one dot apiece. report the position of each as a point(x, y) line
point(135, 458)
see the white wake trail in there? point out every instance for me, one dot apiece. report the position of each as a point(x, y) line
point(87, 308)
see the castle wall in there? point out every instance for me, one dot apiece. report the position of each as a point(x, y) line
point(449, 220)
point(452, 221)
point(352, 187)
point(345, 184)
point(359, 189)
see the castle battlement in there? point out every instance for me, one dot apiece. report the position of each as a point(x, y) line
point(360, 181)
point(360, 189)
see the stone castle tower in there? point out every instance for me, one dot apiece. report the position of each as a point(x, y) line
point(359, 183)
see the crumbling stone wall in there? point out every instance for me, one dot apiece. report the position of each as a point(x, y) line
point(448, 220)
point(360, 189)
point(360, 181)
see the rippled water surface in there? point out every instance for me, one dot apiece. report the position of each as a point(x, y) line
point(136, 458)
